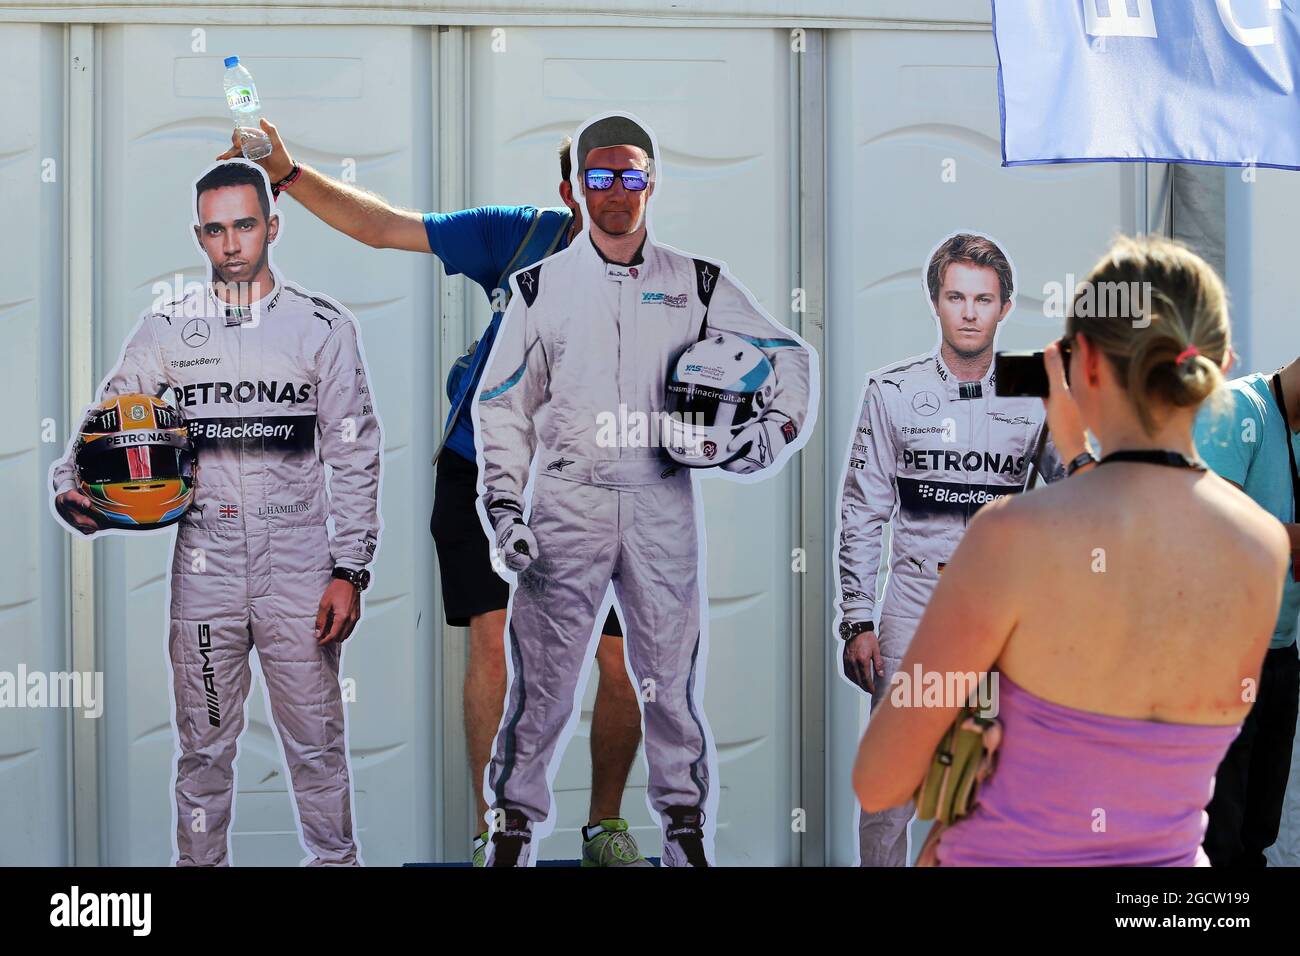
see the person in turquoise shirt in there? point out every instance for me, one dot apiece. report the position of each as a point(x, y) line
point(1253, 443)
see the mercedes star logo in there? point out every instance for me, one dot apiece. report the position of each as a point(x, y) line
point(195, 333)
point(925, 403)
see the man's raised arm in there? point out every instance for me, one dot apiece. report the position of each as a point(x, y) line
point(355, 212)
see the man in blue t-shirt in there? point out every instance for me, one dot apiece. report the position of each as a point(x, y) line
point(486, 244)
point(1254, 444)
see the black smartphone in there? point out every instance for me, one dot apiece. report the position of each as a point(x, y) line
point(1019, 375)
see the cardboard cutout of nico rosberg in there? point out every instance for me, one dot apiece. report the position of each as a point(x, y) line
point(620, 326)
point(268, 385)
point(932, 445)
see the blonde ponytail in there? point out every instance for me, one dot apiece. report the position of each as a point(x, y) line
point(1168, 341)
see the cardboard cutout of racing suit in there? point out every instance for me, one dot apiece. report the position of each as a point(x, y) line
point(271, 393)
point(581, 337)
point(927, 452)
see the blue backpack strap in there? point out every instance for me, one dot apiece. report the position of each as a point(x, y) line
point(542, 238)
point(547, 229)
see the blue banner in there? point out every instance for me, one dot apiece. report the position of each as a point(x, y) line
point(1190, 81)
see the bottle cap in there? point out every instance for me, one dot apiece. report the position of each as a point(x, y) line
point(232, 61)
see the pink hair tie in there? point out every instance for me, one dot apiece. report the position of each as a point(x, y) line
point(1190, 352)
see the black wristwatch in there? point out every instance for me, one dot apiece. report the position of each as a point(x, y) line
point(851, 629)
point(1081, 459)
point(358, 579)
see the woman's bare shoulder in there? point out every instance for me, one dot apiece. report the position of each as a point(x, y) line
point(1060, 498)
point(1009, 520)
point(1257, 533)
point(1090, 499)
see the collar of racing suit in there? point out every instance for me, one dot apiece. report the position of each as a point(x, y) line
point(643, 263)
point(239, 315)
point(957, 389)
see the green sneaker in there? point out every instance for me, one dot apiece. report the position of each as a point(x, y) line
point(480, 849)
point(610, 844)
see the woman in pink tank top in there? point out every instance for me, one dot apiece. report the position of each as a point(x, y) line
point(1076, 788)
point(1125, 611)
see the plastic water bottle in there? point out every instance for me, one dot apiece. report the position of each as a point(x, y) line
point(241, 96)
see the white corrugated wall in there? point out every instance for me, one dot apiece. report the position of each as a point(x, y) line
point(436, 119)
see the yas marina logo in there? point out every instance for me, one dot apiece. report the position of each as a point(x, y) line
point(663, 298)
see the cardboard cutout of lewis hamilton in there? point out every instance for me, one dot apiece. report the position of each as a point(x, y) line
point(272, 385)
point(592, 334)
point(932, 445)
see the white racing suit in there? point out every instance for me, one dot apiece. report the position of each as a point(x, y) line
point(928, 452)
point(268, 404)
point(581, 338)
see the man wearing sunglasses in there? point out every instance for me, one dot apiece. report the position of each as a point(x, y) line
point(486, 244)
point(592, 331)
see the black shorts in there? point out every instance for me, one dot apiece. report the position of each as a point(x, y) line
point(469, 585)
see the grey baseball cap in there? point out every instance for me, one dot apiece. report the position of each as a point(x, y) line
point(613, 131)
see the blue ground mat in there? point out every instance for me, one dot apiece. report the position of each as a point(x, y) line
point(467, 864)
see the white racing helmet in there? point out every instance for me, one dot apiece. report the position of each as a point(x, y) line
point(719, 383)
